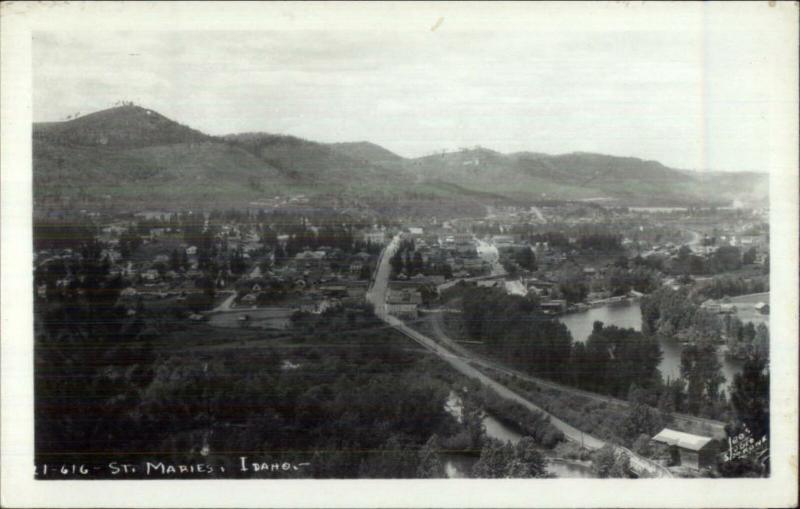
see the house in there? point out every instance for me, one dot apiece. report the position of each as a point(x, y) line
point(554, 306)
point(693, 451)
point(357, 289)
point(316, 305)
point(503, 240)
point(310, 258)
point(762, 307)
point(467, 250)
point(473, 264)
point(333, 290)
point(403, 302)
point(150, 275)
point(463, 238)
point(128, 292)
point(718, 307)
point(375, 237)
point(356, 266)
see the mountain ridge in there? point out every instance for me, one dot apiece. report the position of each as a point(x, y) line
point(122, 152)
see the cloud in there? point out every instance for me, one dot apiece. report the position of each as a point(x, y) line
point(675, 96)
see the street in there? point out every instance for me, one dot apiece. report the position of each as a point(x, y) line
point(377, 296)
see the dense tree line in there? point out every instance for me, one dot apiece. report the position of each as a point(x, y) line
point(533, 424)
point(669, 312)
point(613, 359)
point(499, 460)
point(731, 286)
point(92, 362)
point(512, 329)
point(621, 280)
point(723, 259)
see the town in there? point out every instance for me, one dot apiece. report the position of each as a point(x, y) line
point(515, 304)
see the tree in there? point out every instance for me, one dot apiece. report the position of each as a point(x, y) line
point(396, 262)
point(642, 420)
point(494, 460)
point(500, 460)
point(417, 265)
point(607, 462)
point(603, 462)
point(174, 260)
point(528, 461)
point(749, 256)
point(396, 460)
point(430, 463)
point(701, 368)
point(525, 258)
point(761, 342)
point(642, 445)
point(750, 396)
point(91, 363)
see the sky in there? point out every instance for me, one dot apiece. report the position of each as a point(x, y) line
point(687, 98)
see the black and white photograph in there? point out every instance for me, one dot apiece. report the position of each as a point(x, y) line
point(391, 241)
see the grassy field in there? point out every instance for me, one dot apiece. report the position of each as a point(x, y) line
point(745, 307)
point(273, 318)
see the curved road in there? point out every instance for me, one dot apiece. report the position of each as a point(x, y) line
point(377, 296)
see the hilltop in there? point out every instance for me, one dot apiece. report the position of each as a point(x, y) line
point(120, 127)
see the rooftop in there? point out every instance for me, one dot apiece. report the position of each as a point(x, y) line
point(681, 439)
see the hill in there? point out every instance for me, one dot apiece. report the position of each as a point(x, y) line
point(119, 127)
point(310, 162)
point(176, 175)
point(131, 157)
point(580, 175)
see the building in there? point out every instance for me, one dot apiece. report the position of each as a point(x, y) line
point(403, 302)
point(693, 451)
point(762, 307)
point(718, 307)
point(556, 306)
point(375, 237)
point(357, 290)
point(310, 258)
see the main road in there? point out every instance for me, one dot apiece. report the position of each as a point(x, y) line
point(377, 296)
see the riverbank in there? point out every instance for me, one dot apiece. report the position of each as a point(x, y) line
point(628, 314)
point(459, 464)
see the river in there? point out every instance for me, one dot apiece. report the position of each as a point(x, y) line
point(629, 315)
point(458, 466)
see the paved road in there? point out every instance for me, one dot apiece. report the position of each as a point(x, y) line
point(377, 296)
